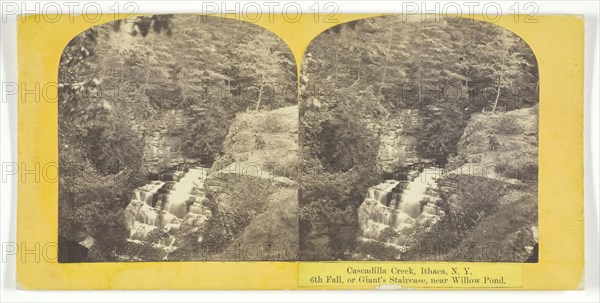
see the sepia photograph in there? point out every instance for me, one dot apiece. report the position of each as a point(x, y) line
point(176, 134)
point(181, 139)
point(419, 142)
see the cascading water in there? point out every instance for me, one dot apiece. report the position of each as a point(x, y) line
point(415, 192)
point(182, 190)
point(397, 204)
point(167, 204)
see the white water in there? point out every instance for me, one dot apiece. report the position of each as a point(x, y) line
point(415, 192)
point(152, 208)
point(381, 191)
point(181, 192)
point(396, 204)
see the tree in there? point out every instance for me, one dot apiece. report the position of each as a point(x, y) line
point(354, 77)
point(502, 61)
point(99, 158)
point(261, 61)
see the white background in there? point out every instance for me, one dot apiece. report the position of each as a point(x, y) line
point(8, 116)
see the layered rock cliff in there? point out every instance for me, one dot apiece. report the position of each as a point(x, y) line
point(502, 146)
point(490, 189)
point(163, 142)
point(254, 179)
point(263, 144)
point(397, 144)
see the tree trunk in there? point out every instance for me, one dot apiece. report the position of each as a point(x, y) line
point(260, 92)
point(499, 87)
point(496, 101)
point(419, 86)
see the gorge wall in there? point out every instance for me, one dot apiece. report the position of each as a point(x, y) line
point(481, 207)
point(492, 183)
point(163, 142)
point(255, 179)
point(397, 145)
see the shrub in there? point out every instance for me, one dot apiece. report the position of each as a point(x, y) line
point(521, 170)
point(271, 124)
point(507, 125)
point(473, 201)
point(289, 170)
point(273, 235)
point(374, 250)
point(238, 203)
point(441, 131)
point(387, 234)
point(502, 236)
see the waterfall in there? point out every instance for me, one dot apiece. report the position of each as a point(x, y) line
point(415, 192)
point(397, 204)
point(165, 205)
point(181, 192)
point(382, 192)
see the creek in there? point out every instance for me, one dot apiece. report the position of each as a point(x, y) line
point(165, 205)
point(399, 204)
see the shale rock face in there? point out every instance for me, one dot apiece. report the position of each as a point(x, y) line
point(257, 173)
point(397, 147)
point(262, 144)
point(496, 169)
point(502, 146)
point(163, 143)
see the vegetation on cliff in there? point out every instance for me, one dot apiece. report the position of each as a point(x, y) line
point(124, 81)
point(226, 95)
point(358, 74)
point(255, 205)
point(490, 196)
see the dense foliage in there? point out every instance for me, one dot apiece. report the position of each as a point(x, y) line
point(359, 74)
point(190, 76)
point(476, 226)
point(122, 81)
point(447, 70)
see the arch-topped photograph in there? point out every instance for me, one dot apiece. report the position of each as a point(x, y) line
point(175, 132)
point(419, 140)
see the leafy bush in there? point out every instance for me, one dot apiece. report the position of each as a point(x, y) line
point(289, 170)
point(271, 124)
point(526, 171)
point(205, 133)
point(470, 201)
point(328, 208)
point(507, 125)
point(503, 235)
point(109, 229)
point(233, 208)
point(374, 250)
point(387, 234)
point(146, 251)
point(272, 235)
point(442, 128)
